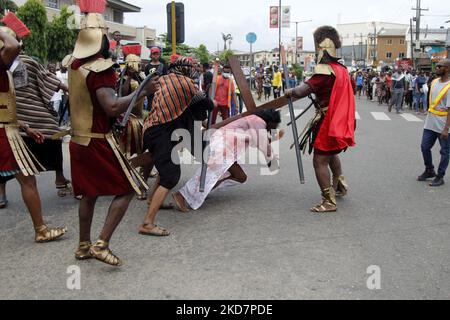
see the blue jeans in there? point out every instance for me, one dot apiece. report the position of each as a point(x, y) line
point(428, 141)
point(419, 99)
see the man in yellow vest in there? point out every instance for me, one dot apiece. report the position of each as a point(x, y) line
point(437, 125)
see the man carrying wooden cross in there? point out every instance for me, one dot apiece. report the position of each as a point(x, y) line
point(332, 130)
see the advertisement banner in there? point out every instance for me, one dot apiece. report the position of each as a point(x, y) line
point(274, 18)
point(286, 17)
point(300, 43)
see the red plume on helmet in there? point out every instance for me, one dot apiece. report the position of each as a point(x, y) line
point(14, 23)
point(92, 6)
point(135, 49)
point(174, 58)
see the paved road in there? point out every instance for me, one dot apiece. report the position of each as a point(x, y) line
point(260, 241)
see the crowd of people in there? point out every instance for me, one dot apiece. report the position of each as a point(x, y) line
point(121, 115)
point(270, 81)
point(396, 88)
point(123, 119)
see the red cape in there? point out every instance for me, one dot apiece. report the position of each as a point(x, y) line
point(338, 129)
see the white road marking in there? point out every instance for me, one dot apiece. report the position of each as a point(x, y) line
point(358, 117)
point(380, 116)
point(410, 117)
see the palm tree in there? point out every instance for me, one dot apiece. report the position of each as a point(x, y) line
point(226, 37)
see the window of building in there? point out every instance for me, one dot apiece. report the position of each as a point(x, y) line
point(389, 55)
point(118, 16)
point(107, 15)
point(54, 4)
point(389, 42)
point(402, 41)
point(401, 55)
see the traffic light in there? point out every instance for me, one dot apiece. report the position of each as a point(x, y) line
point(179, 13)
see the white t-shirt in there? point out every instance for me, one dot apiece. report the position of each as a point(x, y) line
point(64, 77)
point(434, 122)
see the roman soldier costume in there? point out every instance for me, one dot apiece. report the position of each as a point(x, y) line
point(99, 168)
point(332, 130)
point(15, 157)
point(130, 139)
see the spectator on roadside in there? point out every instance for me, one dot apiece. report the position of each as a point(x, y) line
point(267, 85)
point(359, 84)
point(398, 91)
point(277, 82)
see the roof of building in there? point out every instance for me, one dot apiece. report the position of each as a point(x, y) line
point(124, 6)
point(366, 22)
point(432, 31)
point(392, 32)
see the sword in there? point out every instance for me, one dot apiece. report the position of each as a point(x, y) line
point(205, 142)
point(122, 125)
point(313, 103)
point(293, 123)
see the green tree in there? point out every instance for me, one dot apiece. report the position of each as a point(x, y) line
point(60, 38)
point(7, 5)
point(202, 54)
point(224, 56)
point(225, 38)
point(298, 70)
point(182, 49)
point(34, 15)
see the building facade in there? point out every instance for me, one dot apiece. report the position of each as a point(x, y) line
point(269, 58)
point(391, 46)
point(114, 16)
point(431, 48)
point(359, 41)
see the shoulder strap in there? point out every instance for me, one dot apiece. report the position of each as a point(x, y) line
point(99, 65)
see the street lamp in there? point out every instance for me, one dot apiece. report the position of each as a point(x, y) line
point(296, 36)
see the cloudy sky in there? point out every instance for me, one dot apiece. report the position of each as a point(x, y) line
point(207, 19)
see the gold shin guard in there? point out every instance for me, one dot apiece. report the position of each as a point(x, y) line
point(329, 195)
point(340, 186)
point(329, 203)
point(100, 251)
point(46, 234)
point(83, 251)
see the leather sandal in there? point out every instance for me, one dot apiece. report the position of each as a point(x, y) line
point(45, 234)
point(328, 204)
point(100, 251)
point(83, 251)
point(154, 232)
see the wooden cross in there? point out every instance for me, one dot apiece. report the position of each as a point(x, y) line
point(247, 96)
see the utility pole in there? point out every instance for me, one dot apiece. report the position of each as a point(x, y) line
point(296, 37)
point(418, 10)
point(361, 44)
point(412, 43)
point(279, 30)
point(375, 40)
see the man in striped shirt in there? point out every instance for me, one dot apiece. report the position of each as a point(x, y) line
point(176, 105)
point(35, 87)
